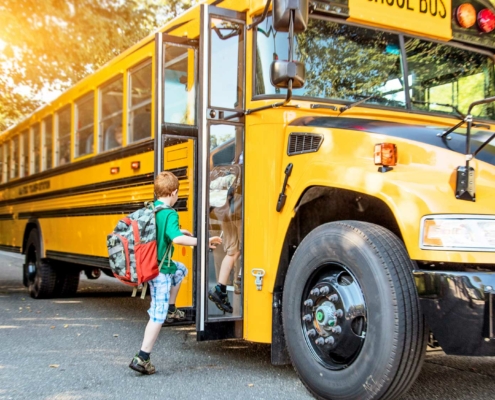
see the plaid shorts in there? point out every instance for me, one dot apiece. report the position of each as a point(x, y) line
point(160, 292)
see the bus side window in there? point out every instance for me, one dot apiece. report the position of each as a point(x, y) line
point(63, 139)
point(139, 102)
point(111, 114)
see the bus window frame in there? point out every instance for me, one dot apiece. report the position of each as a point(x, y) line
point(88, 98)
point(32, 153)
point(25, 155)
point(67, 107)
point(102, 119)
point(44, 149)
point(130, 134)
point(13, 147)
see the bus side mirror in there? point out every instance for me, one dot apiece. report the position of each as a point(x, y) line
point(282, 72)
point(282, 10)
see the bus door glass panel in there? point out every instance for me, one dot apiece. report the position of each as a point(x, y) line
point(178, 158)
point(446, 79)
point(35, 149)
point(84, 126)
point(225, 216)
point(225, 167)
point(111, 111)
point(139, 111)
point(64, 122)
point(179, 84)
point(24, 153)
point(47, 143)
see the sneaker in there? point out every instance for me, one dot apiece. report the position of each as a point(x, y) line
point(144, 367)
point(220, 299)
point(175, 316)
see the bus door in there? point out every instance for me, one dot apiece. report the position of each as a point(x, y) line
point(220, 166)
point(176, 140)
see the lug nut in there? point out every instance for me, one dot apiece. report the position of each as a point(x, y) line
point(329, 340)
point(307, 318)
point(315, 292)
point(311, 333)
point(339, 313)
point(337, 329)
point(324, 290)
point(308, 303)
point(320, 341)
point(333, 298)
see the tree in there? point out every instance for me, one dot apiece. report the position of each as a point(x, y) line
point(55, 43)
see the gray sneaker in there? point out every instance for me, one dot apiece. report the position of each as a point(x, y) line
point(144, 367)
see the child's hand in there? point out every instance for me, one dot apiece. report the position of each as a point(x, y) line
point(186, 232)
point(214, 241)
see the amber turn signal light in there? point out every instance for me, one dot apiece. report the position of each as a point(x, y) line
point(466, 15)
point(385, 156)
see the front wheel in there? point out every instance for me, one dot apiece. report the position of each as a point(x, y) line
point(351, 313)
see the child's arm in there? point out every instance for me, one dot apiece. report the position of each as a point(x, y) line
point(185, 240)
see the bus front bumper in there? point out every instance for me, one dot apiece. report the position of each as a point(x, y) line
point(459, 308)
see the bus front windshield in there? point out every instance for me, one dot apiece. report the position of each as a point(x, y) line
point(349, 63)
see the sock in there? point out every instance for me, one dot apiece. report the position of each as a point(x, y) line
point(144, 356)
point(223, 288)
point(171, 308)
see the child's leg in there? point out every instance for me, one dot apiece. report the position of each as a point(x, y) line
point(160, 295)
point(227, 264)
point(150, 335)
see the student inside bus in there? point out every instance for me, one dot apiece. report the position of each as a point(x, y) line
point(230, 221)
point(113, 137)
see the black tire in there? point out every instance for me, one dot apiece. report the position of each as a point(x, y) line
point(40, 275)
point(381, 360)
point(67, 282)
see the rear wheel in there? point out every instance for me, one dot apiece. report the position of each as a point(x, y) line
point(39, 275)
point(351, 313)
point(67, 282)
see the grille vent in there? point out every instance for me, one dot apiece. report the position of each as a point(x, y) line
point(300, 143)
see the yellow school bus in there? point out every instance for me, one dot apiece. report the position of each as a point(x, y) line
point(359, 136)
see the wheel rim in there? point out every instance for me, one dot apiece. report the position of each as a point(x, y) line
point(333, 316)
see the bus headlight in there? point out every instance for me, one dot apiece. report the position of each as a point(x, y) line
point(458, 232)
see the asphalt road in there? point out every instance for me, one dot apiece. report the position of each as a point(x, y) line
point(79, 348)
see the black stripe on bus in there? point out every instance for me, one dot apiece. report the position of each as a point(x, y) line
point(131, 150)
point(111, 209)
point(11, 249)
point(137, 180)
point(6, 217)
point(94, 261)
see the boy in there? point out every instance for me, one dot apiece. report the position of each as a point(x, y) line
point(165, 287)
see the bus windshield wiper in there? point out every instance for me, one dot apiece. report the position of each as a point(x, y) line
point(460, 114)
point(356, 103)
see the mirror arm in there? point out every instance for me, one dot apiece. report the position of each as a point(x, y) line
point(262, 18)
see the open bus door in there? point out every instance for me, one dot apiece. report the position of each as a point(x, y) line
point(176, 139)
point(200, 127)
point(221, 144)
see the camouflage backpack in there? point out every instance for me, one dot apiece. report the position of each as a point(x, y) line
point(132, 246)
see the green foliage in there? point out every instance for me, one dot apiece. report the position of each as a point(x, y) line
point(55, 43)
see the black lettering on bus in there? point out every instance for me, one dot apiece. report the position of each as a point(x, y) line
point(390, 2)
point(399, 3)
point(443, 13)
point(433, 2)
point(409, 6)
point(423, 6)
